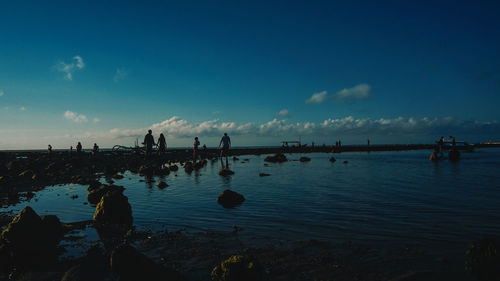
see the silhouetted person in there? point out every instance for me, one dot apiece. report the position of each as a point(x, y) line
point(49, 148)
point(79, 147)
point(95, 149)
point(226, 143)
point(453, 142)
point(162, 144)
point(204, 151)
point(195, 148)
point(149, 141)
point(70, 149)
point(440, 145)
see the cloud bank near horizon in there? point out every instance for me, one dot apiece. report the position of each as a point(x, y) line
point(177, 127)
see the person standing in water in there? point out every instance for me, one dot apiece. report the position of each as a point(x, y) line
point(149, 141)
point(226, 143)
point(195, 148)
point(162, 144)
point(79, 147)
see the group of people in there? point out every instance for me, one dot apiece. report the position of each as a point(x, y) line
point(149, 143)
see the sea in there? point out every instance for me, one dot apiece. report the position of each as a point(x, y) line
point(382, 199)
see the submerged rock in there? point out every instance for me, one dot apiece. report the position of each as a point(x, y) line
point(113, 209)
point(278, 158)
point(230, 199)
point(225, 172)
point(332, 159)
point(454, 155)
point(129, 264)
point(264, 175)
point(173, 168)
point(304, 159)
point(238, 268)
point(161, 184)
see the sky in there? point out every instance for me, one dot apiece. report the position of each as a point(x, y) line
point(262, 71)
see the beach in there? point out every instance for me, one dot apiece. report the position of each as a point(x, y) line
point(182, 214)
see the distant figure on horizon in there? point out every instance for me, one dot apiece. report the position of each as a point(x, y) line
point(226, 143)
point(49, 149)
point(79, 147)
point(440, 145)
point(149, 141)
point(204, 151)
point(162, 144)
point(453, 142)
point(195, 148)
point(95, 149)
point(71, 150)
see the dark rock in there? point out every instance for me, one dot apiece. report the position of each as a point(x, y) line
point(454, 155)
point(230, 199)
point(117, 176)
point(332, 159)
point(483, 259)
point(304, 159)
point(278, 158)
point(129, 264)
point(264, 175)
point(238, 268)
point(235, 158)
point(345, 162)
point(31, 239)
point(94, 266)
point(225, 172)
point(188, 167)
point(173, 168)
point(113, 209)
point(161, 184)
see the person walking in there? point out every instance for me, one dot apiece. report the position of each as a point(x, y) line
point(195, 148)
point(226, 143)
point(162, 144)
point(149, 141)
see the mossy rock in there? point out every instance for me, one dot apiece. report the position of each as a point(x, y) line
point(238, 268)
point(113, 209)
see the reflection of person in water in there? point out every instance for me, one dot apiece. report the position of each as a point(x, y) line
point(226, 143)
point(149, 141)
point(162, 144)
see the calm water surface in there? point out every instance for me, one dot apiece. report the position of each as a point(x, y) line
point(392, 198)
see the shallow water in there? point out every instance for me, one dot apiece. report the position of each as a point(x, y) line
point(386, 198)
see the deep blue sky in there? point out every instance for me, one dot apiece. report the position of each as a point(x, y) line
point(428, 69)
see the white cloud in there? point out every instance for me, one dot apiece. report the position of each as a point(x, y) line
point(68, 68)
point(358, 92)
point(216, 112)
point(120, 74)
point(96, 120)
point(283, 113)
point(1, 92)
point(22, 108)
point(75, 117)
point(317, 97)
